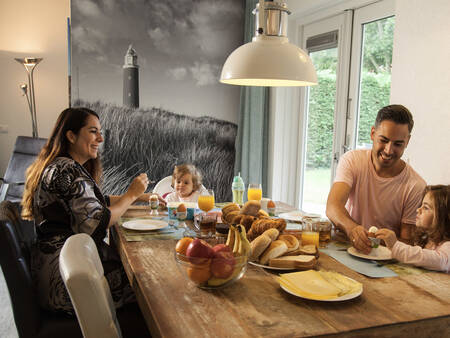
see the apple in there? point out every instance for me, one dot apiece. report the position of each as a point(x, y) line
point(199, 252)
point(222, 264)
point(221, 247)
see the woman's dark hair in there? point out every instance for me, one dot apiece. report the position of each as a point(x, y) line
point(396, 113)
point(72, 119)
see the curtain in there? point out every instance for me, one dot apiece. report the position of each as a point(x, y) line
point(253, 132)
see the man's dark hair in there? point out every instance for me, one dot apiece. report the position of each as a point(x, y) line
point(396, 113)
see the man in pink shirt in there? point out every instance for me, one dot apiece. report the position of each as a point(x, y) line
point(376, 187)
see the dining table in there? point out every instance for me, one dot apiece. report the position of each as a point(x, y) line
point(409, 305)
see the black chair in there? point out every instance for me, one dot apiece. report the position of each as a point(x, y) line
point(30, 319)
point(24, 153)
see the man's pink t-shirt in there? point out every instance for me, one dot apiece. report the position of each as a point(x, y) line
point(378, 201)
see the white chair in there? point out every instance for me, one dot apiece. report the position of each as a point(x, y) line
point(164, 187)
point(83, 275)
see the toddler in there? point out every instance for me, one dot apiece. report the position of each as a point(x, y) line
point(432, 249)
point(187, 182)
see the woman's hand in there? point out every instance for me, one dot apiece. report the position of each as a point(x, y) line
point(138, 186)
point(388, 236)
point(359, 239)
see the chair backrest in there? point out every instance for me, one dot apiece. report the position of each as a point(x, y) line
point(14, 260)
point(164, 187)
point(24, 153)
point(83, 275)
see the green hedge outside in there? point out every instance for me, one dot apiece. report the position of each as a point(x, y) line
point(375, 91)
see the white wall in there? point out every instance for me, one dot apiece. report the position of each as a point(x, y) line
point(421, 81)
point(32, 28)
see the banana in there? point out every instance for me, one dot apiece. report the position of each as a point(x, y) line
point(244, 245)
point(237, 240)
point(230, 238)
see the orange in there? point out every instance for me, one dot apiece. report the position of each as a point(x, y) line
point(182, 245)
point(199, 274)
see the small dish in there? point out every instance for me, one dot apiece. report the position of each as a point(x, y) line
point(145, 224)
point(382, 254)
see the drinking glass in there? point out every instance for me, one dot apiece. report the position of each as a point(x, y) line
point(206, 200)
point(310, 234)
point(254, 192)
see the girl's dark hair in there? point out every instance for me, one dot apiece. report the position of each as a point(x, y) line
point(440, 195)
point(72, 119)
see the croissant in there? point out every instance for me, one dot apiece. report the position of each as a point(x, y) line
point(262, 224)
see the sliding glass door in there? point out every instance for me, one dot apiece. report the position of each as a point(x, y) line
point(352, 53)
point(323, 41)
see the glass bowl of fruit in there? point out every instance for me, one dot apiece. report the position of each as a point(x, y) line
point(209, 264)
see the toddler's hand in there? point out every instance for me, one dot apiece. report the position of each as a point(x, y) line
point(388, 236)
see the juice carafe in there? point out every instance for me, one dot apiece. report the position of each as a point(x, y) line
point(238, 189)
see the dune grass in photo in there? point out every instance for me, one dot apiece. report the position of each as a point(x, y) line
point(154, 141)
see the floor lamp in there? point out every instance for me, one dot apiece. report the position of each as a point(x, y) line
point(30, 63)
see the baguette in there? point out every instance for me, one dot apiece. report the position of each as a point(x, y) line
point(291, 242)
point(275, 249)
point(258, 245)
point(294, 262)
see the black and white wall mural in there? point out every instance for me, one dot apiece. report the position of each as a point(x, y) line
point(151, 70)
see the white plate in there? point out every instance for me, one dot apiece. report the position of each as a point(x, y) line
point(296, 216)
point(383, 254)
point(270, 267)
point(338, 299)
point(145, 224)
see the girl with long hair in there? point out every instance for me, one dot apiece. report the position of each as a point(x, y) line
point(432, 243)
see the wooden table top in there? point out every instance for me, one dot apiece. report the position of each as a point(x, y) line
point(412, 305)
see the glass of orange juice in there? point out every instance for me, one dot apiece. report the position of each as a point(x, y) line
point(310, 234)
point(206, 200)
point(254, 192)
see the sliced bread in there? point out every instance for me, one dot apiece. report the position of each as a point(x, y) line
point(294, 262)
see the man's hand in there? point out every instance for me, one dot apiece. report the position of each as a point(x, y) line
point(359, 239)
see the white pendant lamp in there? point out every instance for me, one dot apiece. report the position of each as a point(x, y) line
point(269, 60)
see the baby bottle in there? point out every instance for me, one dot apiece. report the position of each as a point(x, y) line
point(238, 189)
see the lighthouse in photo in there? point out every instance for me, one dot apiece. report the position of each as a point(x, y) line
point(131, 79)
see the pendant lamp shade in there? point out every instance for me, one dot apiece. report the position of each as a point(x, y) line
point(269, 60)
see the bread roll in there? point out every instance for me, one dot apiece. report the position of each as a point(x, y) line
point(251, 208)
point(291, 242)
point(230, 207)
point(247, 221)
point(262, 224)
point(230, 215)
point(294, 262)
point(272, 233)
point(258, 245)
point(237, 219)
point(262, 214)
point(275, 249)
